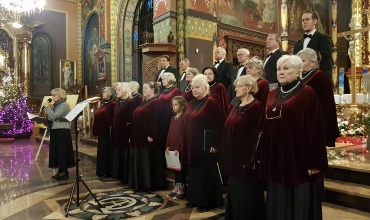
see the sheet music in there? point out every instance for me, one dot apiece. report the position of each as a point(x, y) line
point(76, 110)
point(31, 116)
point(173, 162)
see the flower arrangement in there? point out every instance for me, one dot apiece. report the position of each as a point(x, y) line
point(365, 120)
point(352, 127)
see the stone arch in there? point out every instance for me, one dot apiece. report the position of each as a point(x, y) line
point(126, 10)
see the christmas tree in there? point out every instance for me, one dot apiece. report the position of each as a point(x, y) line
point(13, 110)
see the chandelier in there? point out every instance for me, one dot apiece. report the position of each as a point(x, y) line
point(16, 8)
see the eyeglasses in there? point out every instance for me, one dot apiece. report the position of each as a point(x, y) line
point(276, 117)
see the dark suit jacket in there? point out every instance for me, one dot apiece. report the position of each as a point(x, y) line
point(322, 43)
point(269, 71)
point(231, 90)
point(225, 70)
point(168, 69)
point(181, 84)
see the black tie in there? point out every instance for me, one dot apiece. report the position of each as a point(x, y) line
point(216, 62)
point(307, 35)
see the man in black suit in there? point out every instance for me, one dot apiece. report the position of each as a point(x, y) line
point(165, 64)
point(243, 56)
point(317, 41)
point(269, 64)
point(224, 68)
point(181, 84)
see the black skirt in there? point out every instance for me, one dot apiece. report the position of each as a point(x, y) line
point(245, 200)
point(204, 185)
point(121, 161)
point(147, 169)
point(294, 202)
point(104, 157)
point(61, 149)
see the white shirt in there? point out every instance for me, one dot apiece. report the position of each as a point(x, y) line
point(160, 75)
point(307, 39)
point(217, 64)
point(240, 70)
point(273, 51)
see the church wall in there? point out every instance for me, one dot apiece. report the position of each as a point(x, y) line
point(54, 23)
point(71, 37)
point(163, 28)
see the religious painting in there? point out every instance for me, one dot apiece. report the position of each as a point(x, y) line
point(256, 15)
point(41, 82)
point(90, 61)
point(67, 74)
point(296, 9)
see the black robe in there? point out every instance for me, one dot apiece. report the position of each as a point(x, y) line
point(319, 81)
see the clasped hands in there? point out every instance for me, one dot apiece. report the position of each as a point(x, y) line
point(46, 104)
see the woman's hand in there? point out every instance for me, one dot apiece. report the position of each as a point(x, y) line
point(150, 139)
point(213, 150)
point(167, 153)
point(176, 153)
point(313, 171)
point(46, 104)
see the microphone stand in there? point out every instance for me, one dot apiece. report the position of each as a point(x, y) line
point(78, 179)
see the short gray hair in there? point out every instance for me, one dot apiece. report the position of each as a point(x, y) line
point(59, 92)
point(125, 86)
point(222, 50)
point(293, 60)
point(311, 55)
point(186, 60)
point(171, 77)
point(245, 50)
point(202, 79)
point(110, 92)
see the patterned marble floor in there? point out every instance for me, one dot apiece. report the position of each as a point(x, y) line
point(27, 191)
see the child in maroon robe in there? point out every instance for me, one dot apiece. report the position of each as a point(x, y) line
point(174, 143)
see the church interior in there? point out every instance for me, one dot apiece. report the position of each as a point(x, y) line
point(83, 46)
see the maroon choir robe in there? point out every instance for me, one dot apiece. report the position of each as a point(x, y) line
point(295, 142)
point(122, 117)
point(188, 94)
point(103, 119)
point(166, 112)
point(207, 116)
point(263, 91)
point(240, 139)
point(137, 99)
point(322, 85)
point(145, 124)
point(218, 92)
point(174, 137)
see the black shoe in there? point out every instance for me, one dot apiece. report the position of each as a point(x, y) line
point(202, 209)
point(57, 174)
point(189, 205)
point(63, 175)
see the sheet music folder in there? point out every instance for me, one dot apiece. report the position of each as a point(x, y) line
point(74, 112)
point(172, 161)
point(37, 119)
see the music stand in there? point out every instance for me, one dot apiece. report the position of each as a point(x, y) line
point(72, 115)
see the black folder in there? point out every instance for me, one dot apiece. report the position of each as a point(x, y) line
point(128, 125)
point(209, 140)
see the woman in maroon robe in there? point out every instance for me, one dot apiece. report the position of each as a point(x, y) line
point(238, 151)
point(136, 96)
point(190, 73)
point(165, 99)
point(147, 161)
point(103, 120)
point(202, 115)
point(254, 67)
point(293, 153)
point(121, 128)
point(216, 89)
point(322, 85)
